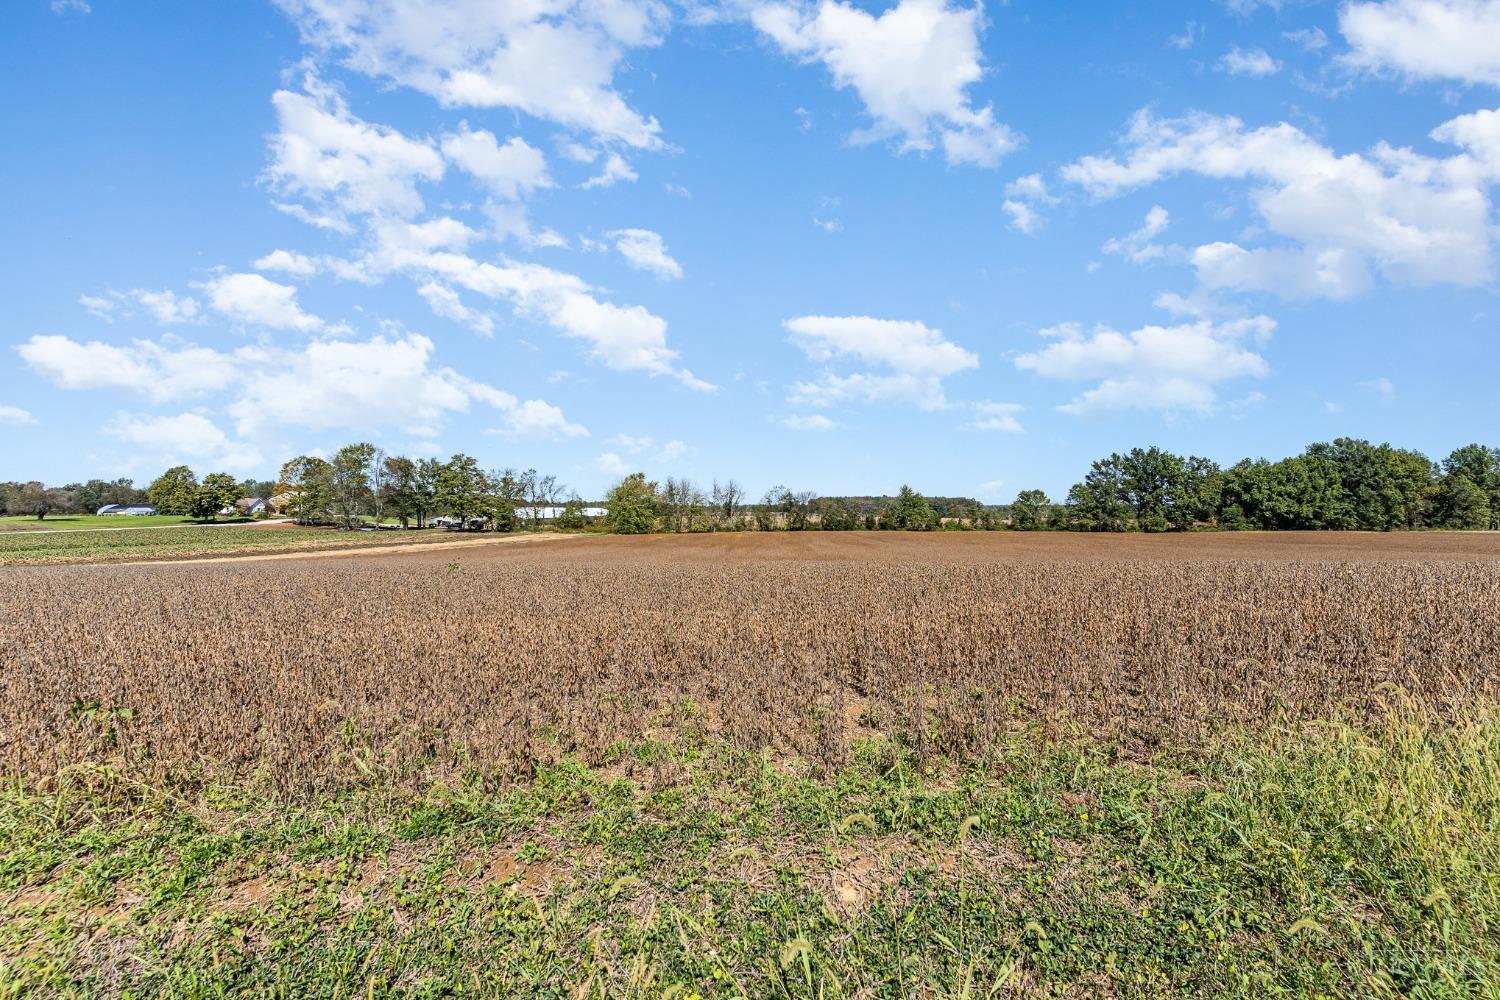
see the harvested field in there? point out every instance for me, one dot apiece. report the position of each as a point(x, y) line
point(496, 659)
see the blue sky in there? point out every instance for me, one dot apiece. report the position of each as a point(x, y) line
point(837, 246)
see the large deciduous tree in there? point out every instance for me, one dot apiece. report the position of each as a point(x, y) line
point(175, 491)
point(36, 500)
point(632, 505)
point(350, 487)
point(463, 489)
point(217, 493)
point(1030, 510)
point(307, 484)
point(911, 512)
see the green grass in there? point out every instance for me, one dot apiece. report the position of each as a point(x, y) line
point(1331, 860)
point(76, 521)
point(114, 546)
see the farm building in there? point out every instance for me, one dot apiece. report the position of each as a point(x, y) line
point(553, 513)
point(126, 510)
point(252, 505)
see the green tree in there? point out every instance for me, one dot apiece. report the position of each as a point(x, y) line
point(398, 492)
point(1200, 495)
point(572, 517)
point(1465, 505)
point(90, 496)
point(175, 491)
point(1383, 487)
point(834, 514)
point(508, 493)
point(1302, 493)
point(306, 482)
point(912, 512)
point(1095, 504)
point(1030, 510)
point(463, 489)
point(408, 488)
point(797, 506)
point(632, 505)
point(260, 488)
point(36, 500)
point(726, 500)
point(1458, 506)
point(772, 514)
point(216, 493)
point(424, 489)
point(349, 483)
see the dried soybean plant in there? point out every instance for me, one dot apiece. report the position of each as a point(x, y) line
point(306, 677)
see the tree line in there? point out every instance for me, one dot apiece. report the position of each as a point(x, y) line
point(177, 491)
point(361, 481)
point(1346, 484)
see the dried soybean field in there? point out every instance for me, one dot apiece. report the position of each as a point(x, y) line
point(820, 765)
point(489, 659)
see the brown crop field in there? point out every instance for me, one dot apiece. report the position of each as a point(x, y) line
point(819, 765)
point(491, 658)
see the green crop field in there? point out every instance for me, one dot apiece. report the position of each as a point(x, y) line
point(177, 542)
point(74, 522)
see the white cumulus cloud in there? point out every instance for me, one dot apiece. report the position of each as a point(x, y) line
point(188, 438)
point(1410, 218)
point(1170, 368)
point(255, 300)
point(15, 415)
point(342, 164)
point(445, 302)
point(555, 60)
point(626, 338)
point(1137, 246)
point(510, 170)
point(992, 416)
point(645, 251)
point(288, 262)
point(612, 464)
point(1425, 39)
point(919, 357)
point(158, 372)
point(383, 382)
point(908, 346)
point(807, 422)
point(912, 66)
point(1249, 62)
point(616, 169)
